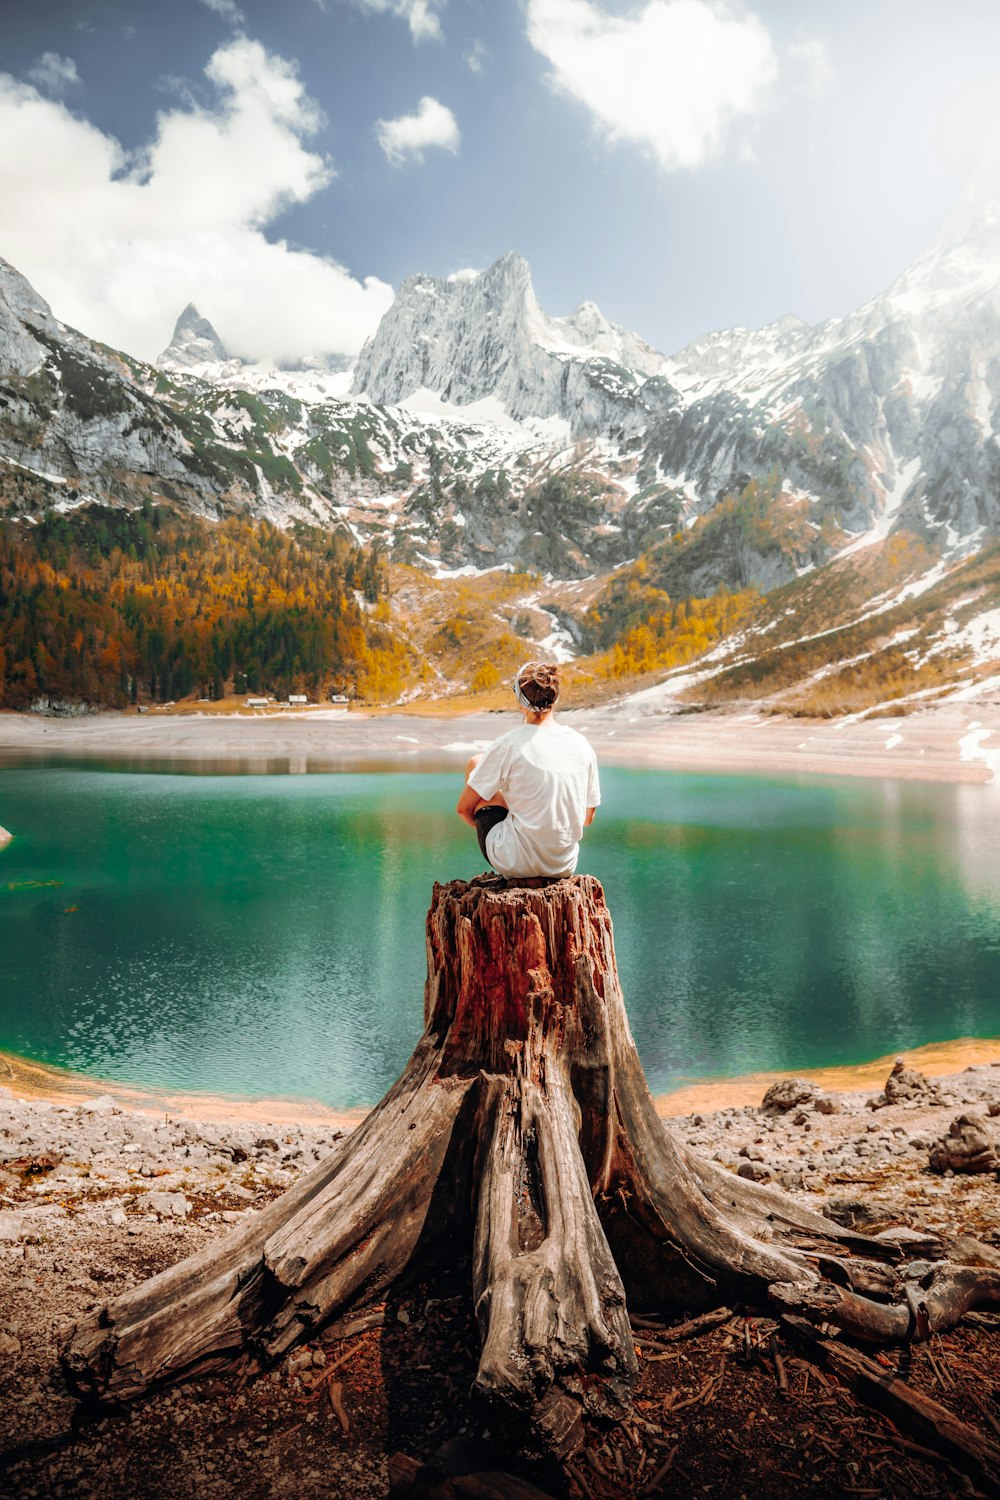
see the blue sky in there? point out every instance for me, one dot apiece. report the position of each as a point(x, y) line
point(687, 164)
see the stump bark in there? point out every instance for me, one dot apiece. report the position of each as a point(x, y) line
point(522, 1130)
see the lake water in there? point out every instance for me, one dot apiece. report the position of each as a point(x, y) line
point(263, 935)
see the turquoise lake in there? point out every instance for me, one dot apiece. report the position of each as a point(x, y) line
point(263, 935)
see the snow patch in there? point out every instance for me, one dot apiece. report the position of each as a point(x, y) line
point(893, 501)
point(468, 571)
point(974, 689)
point(970, 747)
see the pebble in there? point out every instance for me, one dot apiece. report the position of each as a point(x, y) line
point(103, 1105)
point(755, 1171)
point(11, 1228)
point(169, 1204)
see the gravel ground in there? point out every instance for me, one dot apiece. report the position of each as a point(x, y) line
point(94, 1198)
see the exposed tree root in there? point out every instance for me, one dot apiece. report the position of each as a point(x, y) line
point(934, 1304)
point(522, 1130)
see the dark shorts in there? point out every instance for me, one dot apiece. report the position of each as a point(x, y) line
point(487, 818)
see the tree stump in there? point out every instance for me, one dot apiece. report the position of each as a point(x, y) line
point(522, 1128)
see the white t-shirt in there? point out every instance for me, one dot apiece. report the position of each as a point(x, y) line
point(548, 776)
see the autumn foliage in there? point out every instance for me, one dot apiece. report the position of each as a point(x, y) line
point(109, 607)
point(642, 629)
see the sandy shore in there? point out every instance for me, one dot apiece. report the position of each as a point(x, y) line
point(955, 741)
point(28, 1081)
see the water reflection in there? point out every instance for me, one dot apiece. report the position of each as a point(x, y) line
point(264, 934)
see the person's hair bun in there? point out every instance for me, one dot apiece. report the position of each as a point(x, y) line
point(539, 682)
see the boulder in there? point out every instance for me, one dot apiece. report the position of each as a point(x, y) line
point(12, 1228)
point(967, 1147)
point(906, 1085)
point(169, 1205)
point(788, 1093)
point(103, 1105)
point(755, 1171)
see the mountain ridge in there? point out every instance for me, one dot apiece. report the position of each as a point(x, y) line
point(866, 443)
point(480, 431)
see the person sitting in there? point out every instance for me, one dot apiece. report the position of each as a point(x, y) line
point(533, 792)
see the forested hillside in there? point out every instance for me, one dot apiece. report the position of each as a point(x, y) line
point(109, 607)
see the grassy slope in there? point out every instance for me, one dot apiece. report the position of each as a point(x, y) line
point(860, 633)
point(881, 627)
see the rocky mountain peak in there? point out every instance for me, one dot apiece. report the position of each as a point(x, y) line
point(481, 335)
point(510, 271)
point(20, 296)
point(961, 263)
point(194, 342)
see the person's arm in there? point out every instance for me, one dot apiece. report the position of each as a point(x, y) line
point(593, 792)
point(488, 774)
point(467, 804)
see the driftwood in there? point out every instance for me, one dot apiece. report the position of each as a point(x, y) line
point(933, 1425)
point(660, 1334)
point(522, 1133)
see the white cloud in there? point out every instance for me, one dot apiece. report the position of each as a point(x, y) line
point(813, 54)
point(433, 124)
point(674, 76)
point(54, 73)
point(421, 15)
point(227, 9)
point(475, 58)
point(119, 243)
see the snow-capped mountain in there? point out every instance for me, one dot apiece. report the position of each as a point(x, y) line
point(76, 423)
point(196, 351)
point(891, 409)
point(881, 418)
point(480, 430)
point(194, 342)
point(481, 337)
point(80, 423)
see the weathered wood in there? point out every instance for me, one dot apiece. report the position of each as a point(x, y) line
point(933, 1305)
point(690, 1329)
point(351, 1225)
point(926, 1419)
point(548, 1296)
point(522, 1131)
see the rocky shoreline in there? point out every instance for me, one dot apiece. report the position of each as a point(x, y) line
point(955, 741)
point(95, 1197)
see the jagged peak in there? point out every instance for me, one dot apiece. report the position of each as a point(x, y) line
point(192, 319)
point(508, 270)
point(194, 341)
point(478, 335)
point(509, 265)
